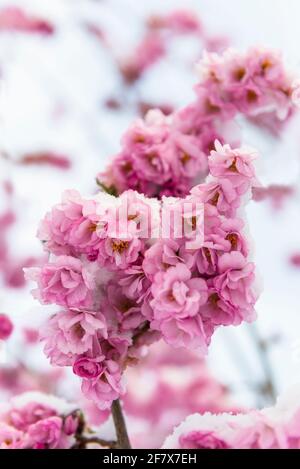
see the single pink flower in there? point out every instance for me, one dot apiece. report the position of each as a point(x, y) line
point(71, 333)
point(175, 293)
point(235, 164)
point(176, 303)
point(64, 282)
point(235, 293)
point(104, 389)
point(88, 368)
point(185, 157)
point(162, 255)
point(223, 194)
point(71, 226)
point(119, 252)
point(122, 313)
point(46, 433)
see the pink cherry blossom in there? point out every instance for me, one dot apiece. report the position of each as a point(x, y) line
point(105, 388)
point(119, 252)
point(161, 256)
point(46, 433)
point(176, 301)
point(71, 333)
point(71, 226)
point(146, 286)
point(234, 164)
point(38, 421)
point(234, 286)
point(167, 155)
point(103, 256)
point(135, 283)
point(65, 282)
point(87, 367)
point(122, 312)
point(6, 327)
point(224, 194)
point(176, 292)
point(28, 414)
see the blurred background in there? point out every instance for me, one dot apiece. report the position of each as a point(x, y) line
point(70, 86)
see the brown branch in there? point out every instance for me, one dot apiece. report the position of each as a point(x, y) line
point(120, 426)
point(83, 441)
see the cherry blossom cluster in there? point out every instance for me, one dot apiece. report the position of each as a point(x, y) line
point(160, 30)
point(255, 84)
point(38, 421)
point(277, 427)
point(120, 289)
point(167, 155)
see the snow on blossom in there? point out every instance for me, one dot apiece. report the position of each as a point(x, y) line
point(37, 421)
point(270, 428)
point(124, 282)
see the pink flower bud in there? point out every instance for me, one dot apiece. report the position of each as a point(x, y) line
point(71, 424)
point(87, 368)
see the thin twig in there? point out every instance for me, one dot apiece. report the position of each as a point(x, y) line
point(83, 441)
point(268, 386)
